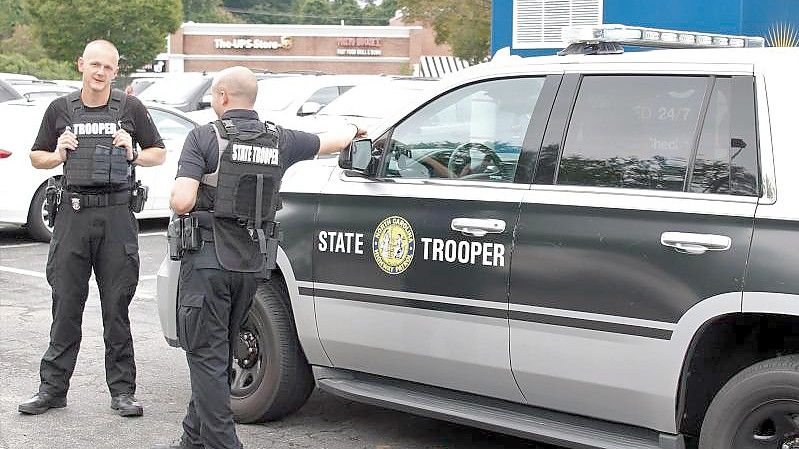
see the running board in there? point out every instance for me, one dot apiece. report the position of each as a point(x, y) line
point(523, 421)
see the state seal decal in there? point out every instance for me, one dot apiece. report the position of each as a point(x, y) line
point(393, 245)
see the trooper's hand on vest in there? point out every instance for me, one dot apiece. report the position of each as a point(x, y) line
point(123, 139)
point(66, 141)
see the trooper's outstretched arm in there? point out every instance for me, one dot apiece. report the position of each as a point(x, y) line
point(339, 138)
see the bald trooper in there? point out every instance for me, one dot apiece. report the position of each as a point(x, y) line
point(95, 133)
point(218, 279)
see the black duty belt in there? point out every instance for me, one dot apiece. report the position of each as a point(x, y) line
point(207, 235)
point(81, 200)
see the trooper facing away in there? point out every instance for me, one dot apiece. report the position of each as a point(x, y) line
point(226, 191)
point(94, 132)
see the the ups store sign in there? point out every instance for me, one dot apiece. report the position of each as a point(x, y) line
point(389, 49)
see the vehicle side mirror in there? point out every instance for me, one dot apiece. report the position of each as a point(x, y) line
point(357, 158)
point(309, 108)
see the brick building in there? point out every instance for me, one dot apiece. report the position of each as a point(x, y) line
point(393, 49)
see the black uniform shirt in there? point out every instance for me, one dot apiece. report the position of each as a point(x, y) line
point(135, 120)
point(201, 150)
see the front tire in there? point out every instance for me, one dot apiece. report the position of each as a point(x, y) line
point(37, 217)
point(272, 378)
point(757, 408)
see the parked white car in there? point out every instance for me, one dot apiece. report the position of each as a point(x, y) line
point(22, 186)
point(283, 99)
point(368, 103)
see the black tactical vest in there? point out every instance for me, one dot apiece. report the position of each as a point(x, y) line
point(96, 162)
point(243, 192)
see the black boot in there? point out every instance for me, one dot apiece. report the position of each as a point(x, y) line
point(126, 405)
point(41, 402)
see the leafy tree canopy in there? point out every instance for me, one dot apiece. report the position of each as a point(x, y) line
point(463, 24)
point(208, 11)
point(137, 27)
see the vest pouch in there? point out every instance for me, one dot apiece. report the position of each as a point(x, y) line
point(101, 168)
point(246, 197)
point(79, 167)
point(118, 171)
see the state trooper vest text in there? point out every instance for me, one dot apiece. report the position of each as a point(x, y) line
point(243, 193)
point(96, 162)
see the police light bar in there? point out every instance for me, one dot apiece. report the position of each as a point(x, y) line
point(654, 37)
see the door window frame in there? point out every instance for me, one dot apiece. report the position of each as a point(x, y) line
point(548, 160)
point(531, 143)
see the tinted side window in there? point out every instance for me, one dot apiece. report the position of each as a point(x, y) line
point(475, 132)
point(632, 132)
point(726, 159)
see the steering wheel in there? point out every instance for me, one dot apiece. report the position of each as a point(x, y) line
point(460, 161)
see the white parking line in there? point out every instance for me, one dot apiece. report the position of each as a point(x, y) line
point(21, 245)
point(38, 274)
point(35, 274)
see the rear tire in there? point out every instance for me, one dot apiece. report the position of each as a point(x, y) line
point(757, 408)
point(37, 217)
point(272, 376)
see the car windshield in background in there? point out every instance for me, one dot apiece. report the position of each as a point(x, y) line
point(38, 89)
point(374, 100)
point(7, 92)
point(173, 89)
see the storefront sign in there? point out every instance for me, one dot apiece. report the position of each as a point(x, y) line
point(252, 43)
point(359, 46)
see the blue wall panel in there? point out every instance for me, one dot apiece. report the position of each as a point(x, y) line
point(747, 17)
point(713, 16)
point(759, 16)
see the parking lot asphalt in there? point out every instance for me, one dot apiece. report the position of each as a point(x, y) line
point(88, 422)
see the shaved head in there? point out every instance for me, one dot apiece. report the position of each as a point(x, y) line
point(99, 65)
point(101, 46)
point(239, 84)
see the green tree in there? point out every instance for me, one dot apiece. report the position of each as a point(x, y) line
point(11, 17)
point(23, 42)
point(316, 12)
point(43, 68)
point(463, 24)
point(263, 11)
point(137, 27)
point(374, 14)
point(208, 11)
point(347, 10)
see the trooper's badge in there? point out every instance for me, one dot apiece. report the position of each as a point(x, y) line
point(76, 203)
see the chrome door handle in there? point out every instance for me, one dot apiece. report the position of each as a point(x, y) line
point(478, 227)
point(689, 243)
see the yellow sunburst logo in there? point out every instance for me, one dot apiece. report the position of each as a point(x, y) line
point(393, 245)
point(782, 35)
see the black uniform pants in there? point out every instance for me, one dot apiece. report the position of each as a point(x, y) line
point(103, 239)
point(212, 305)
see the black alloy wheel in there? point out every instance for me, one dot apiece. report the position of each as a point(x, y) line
point(271, 377)
point(757, 409)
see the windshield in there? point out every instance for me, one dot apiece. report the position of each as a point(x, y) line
point(375, 100)
point(51, 88)
point(276, 94)
point(174, 89)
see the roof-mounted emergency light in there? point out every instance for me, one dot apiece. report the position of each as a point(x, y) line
point(605, 39)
